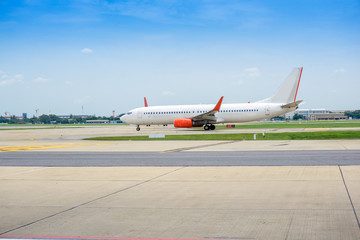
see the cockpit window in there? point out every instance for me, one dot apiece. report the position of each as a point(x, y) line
point(128, 113)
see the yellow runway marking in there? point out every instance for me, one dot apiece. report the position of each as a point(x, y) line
point(318, 129)
point(40, 147)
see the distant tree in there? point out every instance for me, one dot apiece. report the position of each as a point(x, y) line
point(47, 119)
point(14, 121)
point(54, 117)
point(278, 118)
point(3, 120)
point(33, 120)
point(353, 114)
point(63, 121)
point(44, 119)
point(298, 116)
point(80, 120)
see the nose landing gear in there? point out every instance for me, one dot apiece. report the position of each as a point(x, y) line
point(138, 128)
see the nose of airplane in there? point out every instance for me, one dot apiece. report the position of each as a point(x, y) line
point(123, 118)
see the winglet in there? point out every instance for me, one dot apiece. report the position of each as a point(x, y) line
point(217, 107)
point(145, 102)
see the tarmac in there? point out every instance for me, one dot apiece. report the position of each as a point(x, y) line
point(177, 202)
point(180, 158)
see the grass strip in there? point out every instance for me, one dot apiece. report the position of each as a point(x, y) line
point(299, 124)
point(244, 136)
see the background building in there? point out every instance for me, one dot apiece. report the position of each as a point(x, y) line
point(328, 116)
point(308, 112)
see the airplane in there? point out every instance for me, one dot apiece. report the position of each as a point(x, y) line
point(206, 115)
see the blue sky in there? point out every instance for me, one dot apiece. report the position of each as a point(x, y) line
point(58, 56)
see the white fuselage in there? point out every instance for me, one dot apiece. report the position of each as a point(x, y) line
point(228, 113)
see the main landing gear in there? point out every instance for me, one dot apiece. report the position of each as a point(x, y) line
point(138, 128)
point(209, 127)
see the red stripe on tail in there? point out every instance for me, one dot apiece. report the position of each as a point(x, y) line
point(298, 84)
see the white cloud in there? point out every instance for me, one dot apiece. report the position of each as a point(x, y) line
point(167, 93)
point(9, 82)
point(17, 79)
point(19, 76)
point(252, 72)
point(3, 74)
point(340, 70)
point(86, 50)
point(68, 82)
point(41, 80)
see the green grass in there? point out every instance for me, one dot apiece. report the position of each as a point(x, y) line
point(298, 124)
point(245, 136)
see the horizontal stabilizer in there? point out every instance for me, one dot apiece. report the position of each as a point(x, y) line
point(292, 105)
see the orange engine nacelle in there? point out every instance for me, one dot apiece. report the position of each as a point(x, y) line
point(183, 123)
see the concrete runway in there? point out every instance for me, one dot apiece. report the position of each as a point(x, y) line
point(176, 190)
point(276, 202)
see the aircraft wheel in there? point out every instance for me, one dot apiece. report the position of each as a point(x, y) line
point(138, 128)
point(212, 127)
point(206, 127)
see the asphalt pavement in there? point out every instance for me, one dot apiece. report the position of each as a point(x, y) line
point(181, 158)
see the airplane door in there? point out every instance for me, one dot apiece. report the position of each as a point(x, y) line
point(267, 110)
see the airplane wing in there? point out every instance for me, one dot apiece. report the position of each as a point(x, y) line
point(210, 115)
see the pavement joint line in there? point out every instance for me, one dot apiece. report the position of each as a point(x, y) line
point(288, 230)
point(195, 147)
point(88, 202)
point(348, 193)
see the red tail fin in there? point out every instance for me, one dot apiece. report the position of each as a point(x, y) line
point(145, 102)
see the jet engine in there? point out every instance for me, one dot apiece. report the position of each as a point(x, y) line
point(185, 123)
